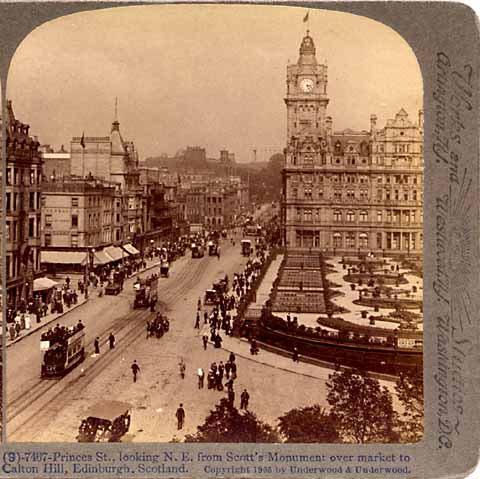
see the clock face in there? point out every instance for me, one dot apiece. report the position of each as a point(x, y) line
point(307, 85)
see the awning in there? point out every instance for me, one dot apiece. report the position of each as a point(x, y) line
point(117, 254)
point(63, 257)
point(42, 284)
point(102, 258)
point(130, 249)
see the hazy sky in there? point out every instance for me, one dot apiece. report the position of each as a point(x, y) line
point(211, 75)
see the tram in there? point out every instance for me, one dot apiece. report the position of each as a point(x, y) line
point(63, 348)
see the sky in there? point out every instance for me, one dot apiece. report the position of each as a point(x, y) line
point(209, 75)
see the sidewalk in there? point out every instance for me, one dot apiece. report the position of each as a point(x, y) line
point(50, 318)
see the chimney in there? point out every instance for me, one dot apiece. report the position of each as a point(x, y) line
point(420, 119)
point(373, 124)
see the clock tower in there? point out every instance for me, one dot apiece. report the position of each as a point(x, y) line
point(307, 150)
point(306, 100)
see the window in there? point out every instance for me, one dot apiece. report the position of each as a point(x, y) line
point(308, 193)
point(412, 216)
point(363, 216)
point(414, 195)
point(337, 195)
point(294, 192)
point(350, 240)
point(379, 179)
point(299, 214)
point(14, 231)
point(379, 216)
point(74, 221)
point(387, 179)
point(337, 240)
point(396, 216)
point(364, 194)
point(9, 202)
point(397, 179)
point(396, 195)
point(350, 216)
point(406, 216)
point(405, 195)
point(74, 202)
point(379, 240)
point(74, 240)
point(32, 177)
point(379, 194)
point(320, 194)
point(389, 216)
point(48, 239)
point(350, 194)
point(31, 227)
point(414, 180)
point(7, 228)
point(337, 216)
point(9, 176)
point(31, 201)
point(363, 240)
point(48, 221)
point(387, 195)
point(308, 215)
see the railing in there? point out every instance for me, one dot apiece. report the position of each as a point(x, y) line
point(252, 294)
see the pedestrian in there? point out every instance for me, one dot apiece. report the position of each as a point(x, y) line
point(201, 377)
point(197, 321)
point(38, 314)
point(135, 370)
point(244, 397)
point(231, 396)
point(96, 345)
point(205, 341)
point(231, 358)
point(205, 317)
point(295, 355)
point(233, 371)
point(180, 414)
point(111, 340)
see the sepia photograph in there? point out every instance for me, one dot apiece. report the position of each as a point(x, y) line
point(214, 229)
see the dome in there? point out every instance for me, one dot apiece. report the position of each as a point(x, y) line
point(307, 51)
point(308, 46)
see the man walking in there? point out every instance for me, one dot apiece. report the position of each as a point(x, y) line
point(135, 370)
point(244, 397)
point(96, 345)
point(111, 340)
point(201, 377)
point(205, 341)
point(197, 321)
point(180, 414)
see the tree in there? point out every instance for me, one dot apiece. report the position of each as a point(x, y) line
point(409, 389)
point(308, 424)
point(362, 408)
point(227, 424)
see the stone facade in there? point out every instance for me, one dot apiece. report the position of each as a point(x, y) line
point(78, 213)
point(22, 210)
point(348, 191)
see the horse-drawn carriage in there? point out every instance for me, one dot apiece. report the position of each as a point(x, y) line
point(158, 326)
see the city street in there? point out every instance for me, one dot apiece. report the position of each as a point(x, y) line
point(51, 410)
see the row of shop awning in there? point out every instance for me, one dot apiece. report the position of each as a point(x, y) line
point(110, 254)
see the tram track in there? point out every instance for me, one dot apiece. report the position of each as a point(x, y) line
point(27, 402)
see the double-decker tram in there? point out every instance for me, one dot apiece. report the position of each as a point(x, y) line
point(63, 348)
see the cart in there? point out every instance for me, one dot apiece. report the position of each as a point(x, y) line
point(164, 268)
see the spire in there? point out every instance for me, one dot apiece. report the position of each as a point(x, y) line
point(116, 124)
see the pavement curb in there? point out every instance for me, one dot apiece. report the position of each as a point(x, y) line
point(34, 330)
point(312, 361)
